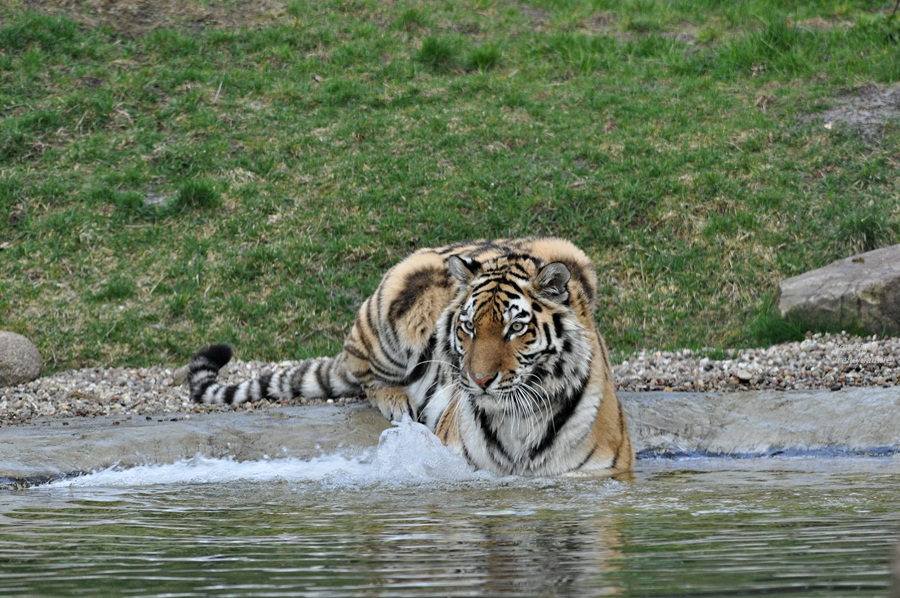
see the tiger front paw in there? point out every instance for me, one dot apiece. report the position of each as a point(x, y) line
point(393, 402)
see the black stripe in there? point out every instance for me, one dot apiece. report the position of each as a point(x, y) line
point(369, 318)
point(546, 327)
point(371, 356)
point(384, 375)
point(449, 249)
point(491, 437)
point(347, 380)
point(523, 257)
point(528, 358)
point(558, 324)
point(296, 378)
point(539, 372)
point(482, 296)
point(378, 298)
point(447, 347)
point(424, 360)
point(429, 394)
point(264, 385)
point(386, 356)
point(355, 352)
point(417, 372)
point(322, 377)
point(515, 292)
point(559, 368)
point(559, 420)
point(388, 340)
point(199, 390)
point(389, 344)
point(228, 397)
point(416, 285)
point(449, 329)
point(622, 439)
point(465, 452)
point(361, 334)
point(588, 458)
point(476, 248)
point(579, 275)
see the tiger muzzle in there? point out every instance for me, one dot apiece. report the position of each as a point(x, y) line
point(482, 381)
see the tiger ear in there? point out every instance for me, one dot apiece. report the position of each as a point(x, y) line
point(463, 269)
point(551, 281)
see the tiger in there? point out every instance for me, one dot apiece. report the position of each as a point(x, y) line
point(491, 344)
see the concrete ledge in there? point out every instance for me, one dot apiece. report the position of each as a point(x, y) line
point(855, 421)
point(758, 423)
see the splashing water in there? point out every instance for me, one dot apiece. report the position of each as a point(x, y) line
point(407, 452)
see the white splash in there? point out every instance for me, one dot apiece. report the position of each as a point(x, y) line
point(408, 452)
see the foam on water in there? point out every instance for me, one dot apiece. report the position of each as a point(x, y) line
point(406, 453)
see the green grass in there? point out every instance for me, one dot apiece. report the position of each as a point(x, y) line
point(439, 54)
point(166, 186)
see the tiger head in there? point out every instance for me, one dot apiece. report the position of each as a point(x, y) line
point(512, 333)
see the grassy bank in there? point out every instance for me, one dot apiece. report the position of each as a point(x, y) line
point(173, 178)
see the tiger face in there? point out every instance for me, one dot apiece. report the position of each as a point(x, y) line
point(512, 334)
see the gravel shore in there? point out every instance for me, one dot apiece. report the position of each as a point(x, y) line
point(821, 361)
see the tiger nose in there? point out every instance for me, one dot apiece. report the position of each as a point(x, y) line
point(483, 381)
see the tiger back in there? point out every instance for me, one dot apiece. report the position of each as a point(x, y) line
point(490, 344)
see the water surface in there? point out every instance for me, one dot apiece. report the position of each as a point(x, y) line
point(409, 519)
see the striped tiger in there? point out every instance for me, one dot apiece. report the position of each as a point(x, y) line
point(490, 344)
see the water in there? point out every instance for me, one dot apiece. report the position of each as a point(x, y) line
point(409, 519)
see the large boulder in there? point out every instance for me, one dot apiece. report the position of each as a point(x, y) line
point(20, 361)
point(857, 292)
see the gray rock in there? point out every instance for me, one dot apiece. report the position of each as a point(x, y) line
point(20, 361)
point(743, 375)
point(861, 291)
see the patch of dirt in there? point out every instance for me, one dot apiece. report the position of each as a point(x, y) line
point(602, 21)
point(821, 24)
point(865, 109)
point(606, 23)
point(536, 14)
point(135, 17)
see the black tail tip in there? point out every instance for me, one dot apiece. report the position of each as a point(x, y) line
point(218, 355)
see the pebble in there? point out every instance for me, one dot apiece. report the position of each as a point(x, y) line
point(821, 361)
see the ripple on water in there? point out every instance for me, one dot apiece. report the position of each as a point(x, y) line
point(347, 524)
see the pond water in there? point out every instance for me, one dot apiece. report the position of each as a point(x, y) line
point(409, 519)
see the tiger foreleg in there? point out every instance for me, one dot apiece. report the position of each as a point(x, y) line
point(392, 401)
